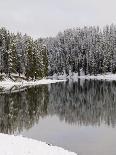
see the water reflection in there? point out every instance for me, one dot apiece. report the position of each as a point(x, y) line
point(83, 102)
point(22, 109)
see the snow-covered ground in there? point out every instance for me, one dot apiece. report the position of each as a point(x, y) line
point(74, 76)
point(107, 76)
point(8, 83)
point(17, 145)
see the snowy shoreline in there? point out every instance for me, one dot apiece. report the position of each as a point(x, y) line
point(108, 77)
point(18, 145)
point(8, 83)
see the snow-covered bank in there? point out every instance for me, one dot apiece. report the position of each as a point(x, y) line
point(109, 77)
point(74, 76)
point(8, 83)
point(17, 145)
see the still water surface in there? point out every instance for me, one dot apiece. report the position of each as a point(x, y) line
point(79, 116)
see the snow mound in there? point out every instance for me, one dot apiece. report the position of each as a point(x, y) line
point(17, 145)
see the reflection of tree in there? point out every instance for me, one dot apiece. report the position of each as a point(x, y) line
point(87, 103)
point(92, 102)
point(22, 109)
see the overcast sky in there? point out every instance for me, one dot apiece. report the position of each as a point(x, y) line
point(41, 18)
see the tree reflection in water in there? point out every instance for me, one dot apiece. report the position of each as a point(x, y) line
point(22, 109)
point(86, 102)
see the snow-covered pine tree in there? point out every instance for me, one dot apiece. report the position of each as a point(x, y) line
point(45, 61)
point(12, 55)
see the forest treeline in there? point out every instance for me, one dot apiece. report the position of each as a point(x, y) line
point(21, 54)
point(87, 50)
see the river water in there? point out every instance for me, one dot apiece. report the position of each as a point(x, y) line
point(77, 115)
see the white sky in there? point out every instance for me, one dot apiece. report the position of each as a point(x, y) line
point(41, 18)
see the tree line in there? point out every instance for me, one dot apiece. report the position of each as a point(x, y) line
point(87, 50)
point(20, 54)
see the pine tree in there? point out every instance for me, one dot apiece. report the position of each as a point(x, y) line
point(45, 61)
point(12, 56)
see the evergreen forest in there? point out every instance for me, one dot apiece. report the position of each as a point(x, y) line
point(87, 50)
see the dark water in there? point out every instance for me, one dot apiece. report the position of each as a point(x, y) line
point(79, 116)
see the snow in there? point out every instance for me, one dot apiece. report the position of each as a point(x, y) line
point(108, 76)
point(74, 76)
point(8, 83)
point(17, 145)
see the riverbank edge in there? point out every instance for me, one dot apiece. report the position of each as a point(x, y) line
point(18, 145)
point(75, 77)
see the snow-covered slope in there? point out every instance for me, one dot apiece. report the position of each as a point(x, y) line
point(17, 145)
